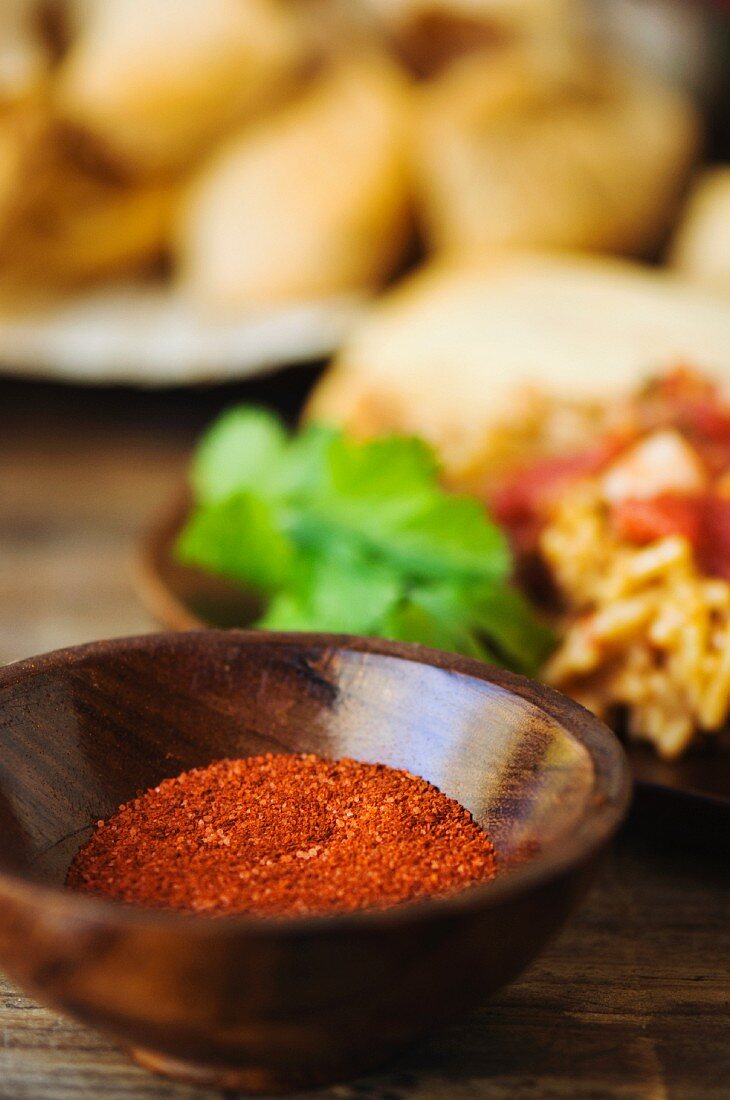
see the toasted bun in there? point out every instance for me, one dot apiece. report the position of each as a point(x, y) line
point(446, 354)
point(311, 201)
point(548, 148)
point(701, 247)
point(24, 59)
point(502, 17)
point(62, 222)
point(157, 82)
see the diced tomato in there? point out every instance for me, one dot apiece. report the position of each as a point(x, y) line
point(715, 454)
point(528, 492)
point(710, 420)
point(642, 521)
point(703, 521)
point(714, 550)
point(694, 405)
point(682, 384)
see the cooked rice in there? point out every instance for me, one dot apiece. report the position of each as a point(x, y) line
point(645, 629)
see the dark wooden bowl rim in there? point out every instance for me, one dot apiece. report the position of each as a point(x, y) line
point(601, 820)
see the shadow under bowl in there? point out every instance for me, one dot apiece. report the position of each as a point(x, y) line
point(272, 1005)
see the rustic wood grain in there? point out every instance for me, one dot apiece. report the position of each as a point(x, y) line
point(630, 1002)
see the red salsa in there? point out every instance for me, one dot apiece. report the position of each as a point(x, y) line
point(682, 401)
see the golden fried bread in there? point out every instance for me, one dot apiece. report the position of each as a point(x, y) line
point(542, 148)
point(449, 353)
point(428, 35)
point(22, 128)
point(24, 61)
point(156, 83)
point(310, 202)
point(700, 249)
point(62, 221)
point(499, 20)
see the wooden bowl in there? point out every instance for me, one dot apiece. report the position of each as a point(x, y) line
point(277, 1004)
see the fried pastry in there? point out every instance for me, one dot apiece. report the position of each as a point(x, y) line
point(22, 127)
point(541, 148)
point(24, 60)
point(63, 222)
point(700, 249)
point(451, 353)
point(310, 202)
point(430, 34)
point(158, 83)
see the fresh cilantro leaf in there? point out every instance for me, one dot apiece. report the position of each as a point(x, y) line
point(300, 472)
point(382, 469)
point(363, 489)
point(448, 603)
point(410, 622)
point(355, 537)
point(492, 615)
point(386, 494)
point(238, 452)
point(449, 536)
point(238, 538)
point(415, 621)
point(523, 642)
point(342, 592)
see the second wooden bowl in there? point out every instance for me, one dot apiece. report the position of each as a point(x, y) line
point(675, 795)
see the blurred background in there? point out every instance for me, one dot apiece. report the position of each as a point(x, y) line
point(200, 201)
point(205, 202)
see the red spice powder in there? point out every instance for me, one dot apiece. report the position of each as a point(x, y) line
point(284, 835)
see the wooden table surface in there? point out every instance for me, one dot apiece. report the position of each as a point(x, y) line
point(631, 1001)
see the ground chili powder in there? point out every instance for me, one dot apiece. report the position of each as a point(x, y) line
point(284, 835)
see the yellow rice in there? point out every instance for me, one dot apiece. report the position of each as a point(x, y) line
point(644, 629)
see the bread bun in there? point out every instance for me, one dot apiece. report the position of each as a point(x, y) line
point(158, 82)
point(24, 58)
point(700, 250)
point(64, 222)
point(448, 353)
point(311, 201)
point(550, 148)
point(428, 35)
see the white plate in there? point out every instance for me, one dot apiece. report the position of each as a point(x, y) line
point(146, 335)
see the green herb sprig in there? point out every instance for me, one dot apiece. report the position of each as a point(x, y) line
point(357, 538)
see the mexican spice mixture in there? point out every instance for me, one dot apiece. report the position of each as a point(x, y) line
point(284, 835)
